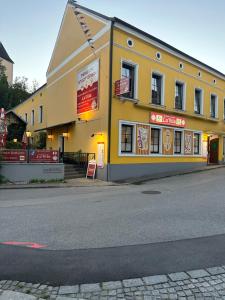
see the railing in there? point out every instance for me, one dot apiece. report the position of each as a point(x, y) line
point(78, 158)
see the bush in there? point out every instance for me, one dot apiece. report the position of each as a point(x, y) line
point(13, 145)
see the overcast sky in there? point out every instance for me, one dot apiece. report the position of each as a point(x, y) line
point(28, 28)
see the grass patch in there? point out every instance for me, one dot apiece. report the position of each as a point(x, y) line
point(46, 181)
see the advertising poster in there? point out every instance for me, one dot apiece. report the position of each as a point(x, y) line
point(168, 136)
point(100, 156)
point(14, 155)
point(87, 88)
point(143, 140)
point(122, 86)
point(188, 142)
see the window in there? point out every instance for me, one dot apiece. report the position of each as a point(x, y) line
point(26, 117)
point(213, 105)
point(198, 101)
point(157, 89)
point(128, 71)
point(177, 142)
point(32, 117)
point(40, 114)
point(179, 96)
point(155, 140)
point(196, 143)
point(224, 109)
point(127, 138)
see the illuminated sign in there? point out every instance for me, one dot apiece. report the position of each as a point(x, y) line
point(158, 118)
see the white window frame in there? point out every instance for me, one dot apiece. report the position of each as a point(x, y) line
point(32, 118)
point(136, 71)
point(182, 142)
point(41, 114)
point(120, 153)
point(155, 72)
point(160, 141)
point(200, 145)
point(184, 94)
point(216, 103)
point(202, 100)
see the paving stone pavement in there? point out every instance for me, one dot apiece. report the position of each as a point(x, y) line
point(191, 285)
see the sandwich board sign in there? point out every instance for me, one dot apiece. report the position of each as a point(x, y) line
point(91, 169)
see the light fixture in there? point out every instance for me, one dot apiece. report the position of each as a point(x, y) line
point(28, 134)
point(15, 140)
point(98, 133)
point(65, 134)
point(50, 136)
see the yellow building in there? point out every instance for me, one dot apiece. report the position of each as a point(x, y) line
point(166, 114)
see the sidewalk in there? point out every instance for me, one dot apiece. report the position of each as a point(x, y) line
point(83, 182)
point(190, 285)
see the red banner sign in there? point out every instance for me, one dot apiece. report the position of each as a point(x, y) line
point(14, 155)
point(158, 118)
point(91, 169)
point(122, 86)
point(87, 88)
point(44, 156)
point(3, 128)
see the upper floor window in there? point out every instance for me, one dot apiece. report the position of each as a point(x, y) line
point(32, 117)
point(213, 106)
point(157, 89)
point(40, 114)
point(179, 96)
point(127, 138)
point(198, 101)
point(129, 71)
point(155, 140)
point(26, 119)
point(224, 109)
point(177, 142)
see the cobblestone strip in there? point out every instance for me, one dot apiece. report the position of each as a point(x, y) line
point(190, 285)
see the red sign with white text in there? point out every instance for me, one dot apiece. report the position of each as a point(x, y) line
point(122, 86)
point(87, 88)
point(91, 169)
point(44, 156)
point(158, 118)
point(14, 155)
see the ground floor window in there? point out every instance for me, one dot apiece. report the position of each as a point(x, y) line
point(127, 138)
point(155, 140)
point(196, 143)
point(177, 142)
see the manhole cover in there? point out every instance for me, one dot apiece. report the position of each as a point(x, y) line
point(151, 192)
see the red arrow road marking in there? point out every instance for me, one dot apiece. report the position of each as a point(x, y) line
point(26, 244)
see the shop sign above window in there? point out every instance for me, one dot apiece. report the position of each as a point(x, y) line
point(162, 119)
point(122, 86)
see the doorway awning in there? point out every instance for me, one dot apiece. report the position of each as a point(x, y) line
point(56, 126)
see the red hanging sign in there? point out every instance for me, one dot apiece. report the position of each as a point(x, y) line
point(122, 86)
point(158, 118)
point(14, 156)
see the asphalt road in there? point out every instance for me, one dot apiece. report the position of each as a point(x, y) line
point(189, 206)
point(110, 233)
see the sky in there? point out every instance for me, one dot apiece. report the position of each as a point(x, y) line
point(29, 28)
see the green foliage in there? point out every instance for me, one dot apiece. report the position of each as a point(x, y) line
point(46, 181)
point(15, 131)
point(3, 179)
point(13, 145)
point(12, 95)
point(40, 140)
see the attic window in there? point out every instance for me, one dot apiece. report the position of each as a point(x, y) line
point(130, 42)
point(214, 81)
point(181, 66)
point(158, 55)
point(199, 74)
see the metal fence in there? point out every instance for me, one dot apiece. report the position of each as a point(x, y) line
point(77, 158)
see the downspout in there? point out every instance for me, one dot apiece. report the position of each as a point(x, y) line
point(110, 97)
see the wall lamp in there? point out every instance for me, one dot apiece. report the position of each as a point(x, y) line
point(65, 135)
point(28, 134)
point(14, 140)
point(50, 136)
point(94, 134)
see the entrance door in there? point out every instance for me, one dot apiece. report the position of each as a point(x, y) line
point(214, 151)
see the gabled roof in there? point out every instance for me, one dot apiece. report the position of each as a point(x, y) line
point(17, 116)
point(3, 54)
point(168, 47)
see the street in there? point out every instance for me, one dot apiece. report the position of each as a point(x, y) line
point(189, 206)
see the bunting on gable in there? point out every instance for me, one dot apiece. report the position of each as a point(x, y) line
point(81, 19)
